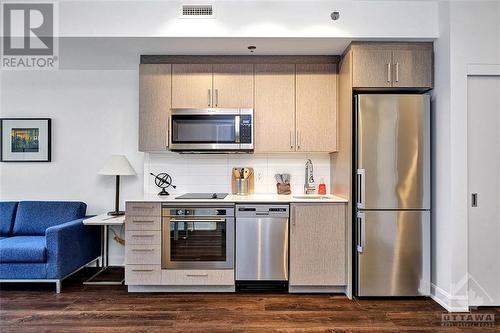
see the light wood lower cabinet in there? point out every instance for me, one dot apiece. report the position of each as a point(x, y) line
point(197, 277)
point(142, 274)
point(143, 209)
point(318, 245)
point(143, 254)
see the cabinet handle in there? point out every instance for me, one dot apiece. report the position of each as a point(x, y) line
point(143, 250)
point(397, 72)
point(143, 236)
point(216, 97)
point(291, 142)
point(142, 221)
point(142, 270)
point(197, 275)
point(389, 72)
point(168, 132)
point(298, 140)
point(209, 97)
point(294, 217)
point(143, 207)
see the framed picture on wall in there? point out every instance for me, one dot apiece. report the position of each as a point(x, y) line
point(25, 140)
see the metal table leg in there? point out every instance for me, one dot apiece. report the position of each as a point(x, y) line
point(104, 261)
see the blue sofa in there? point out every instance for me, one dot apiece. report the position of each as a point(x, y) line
point(45, 241)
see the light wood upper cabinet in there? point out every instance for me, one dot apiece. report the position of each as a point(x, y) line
point(154, 106)
point(274, 107)
point(316, 116)
point(392, 65)
point(412, 68)
point(192, 86)
point(233, 85)
point(318, 245)
point(371, 68)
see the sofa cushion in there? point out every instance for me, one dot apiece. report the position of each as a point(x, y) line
point(34, 217)
point(23, 249)
point(7, 216)
point(3, 237)
point(23, 271)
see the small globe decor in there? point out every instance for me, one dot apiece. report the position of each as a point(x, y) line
point(163, 181)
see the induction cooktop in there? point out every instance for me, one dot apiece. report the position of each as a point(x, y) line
point(202, 196)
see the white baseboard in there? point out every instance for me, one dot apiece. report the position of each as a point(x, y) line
point(449, 302)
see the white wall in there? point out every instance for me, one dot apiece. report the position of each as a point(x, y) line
point(470, 35)
point(94, 114)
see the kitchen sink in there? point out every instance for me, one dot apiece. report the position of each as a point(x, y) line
point(311, 196)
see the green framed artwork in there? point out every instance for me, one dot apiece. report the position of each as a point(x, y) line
point(25, 139)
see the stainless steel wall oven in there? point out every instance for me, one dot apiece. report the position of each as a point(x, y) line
point(198, 237)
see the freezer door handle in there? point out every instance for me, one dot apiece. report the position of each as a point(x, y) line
point(360, 191)
point(360, 232)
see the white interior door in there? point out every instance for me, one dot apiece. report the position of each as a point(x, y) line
point(484, 179)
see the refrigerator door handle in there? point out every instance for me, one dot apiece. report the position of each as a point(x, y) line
point(360, 235)
point(360, 191)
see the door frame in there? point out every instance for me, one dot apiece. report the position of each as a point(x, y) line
point(473, 70)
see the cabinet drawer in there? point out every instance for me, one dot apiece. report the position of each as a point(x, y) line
point(176, 277)
point(142, 223)
point(143, 254)
point(142, 274)
point(152, 237)
point(143, 208)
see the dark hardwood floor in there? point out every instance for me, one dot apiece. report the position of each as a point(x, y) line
point(36, 308)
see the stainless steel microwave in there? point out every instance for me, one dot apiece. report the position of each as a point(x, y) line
point(211, 130)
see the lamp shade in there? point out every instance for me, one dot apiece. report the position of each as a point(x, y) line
point(117, 165)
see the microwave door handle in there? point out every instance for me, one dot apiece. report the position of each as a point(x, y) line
point(237, 129)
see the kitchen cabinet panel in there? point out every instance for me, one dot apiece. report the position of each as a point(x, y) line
point(274, 108)
point(154, 106)
point(412, 68)
point(372, 68)
point(318, 245)
point(233, 85)
point(316, 116)
point(142, 274)
point(192, 86)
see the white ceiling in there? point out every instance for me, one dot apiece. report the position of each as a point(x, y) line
point(123, 53)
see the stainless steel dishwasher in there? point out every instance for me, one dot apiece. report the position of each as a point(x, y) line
point(261, 246)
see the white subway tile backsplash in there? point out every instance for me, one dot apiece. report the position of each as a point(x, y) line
point(212, 173)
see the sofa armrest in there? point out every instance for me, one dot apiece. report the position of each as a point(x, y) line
point(69, 246)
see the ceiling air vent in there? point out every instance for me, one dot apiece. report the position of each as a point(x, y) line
point(197, 11)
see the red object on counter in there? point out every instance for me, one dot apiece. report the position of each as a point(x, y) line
point(322, 188)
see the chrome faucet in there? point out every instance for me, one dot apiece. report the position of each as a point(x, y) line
point(309, 187)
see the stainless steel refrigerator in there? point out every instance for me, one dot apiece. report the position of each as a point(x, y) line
point(392, 194)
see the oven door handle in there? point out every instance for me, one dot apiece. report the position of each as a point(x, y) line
point(197, 220)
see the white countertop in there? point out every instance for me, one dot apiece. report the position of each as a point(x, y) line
point(105, 219)
point(252, 198)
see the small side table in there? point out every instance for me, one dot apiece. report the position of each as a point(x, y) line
point(104, 221)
